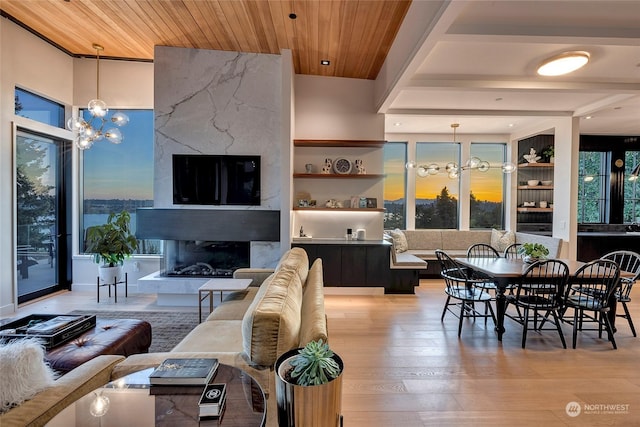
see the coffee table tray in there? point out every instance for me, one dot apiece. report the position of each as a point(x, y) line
point(18, 328)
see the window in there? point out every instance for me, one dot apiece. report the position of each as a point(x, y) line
point(120, 177)
point(631, 189)
point(395, 193)
point(38, 108)
point(592, 186)
point(486, 198)
point(437, 196)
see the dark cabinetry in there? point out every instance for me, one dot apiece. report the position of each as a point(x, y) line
point(353, 263)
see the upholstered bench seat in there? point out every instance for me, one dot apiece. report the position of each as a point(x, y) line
point(110, 336)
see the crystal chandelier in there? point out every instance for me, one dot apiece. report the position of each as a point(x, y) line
point(92, 130)
point(452, 169)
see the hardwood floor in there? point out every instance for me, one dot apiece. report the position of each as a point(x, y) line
point(404, 367)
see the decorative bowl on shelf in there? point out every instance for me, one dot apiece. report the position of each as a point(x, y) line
point(533, 182)
point(547, 183)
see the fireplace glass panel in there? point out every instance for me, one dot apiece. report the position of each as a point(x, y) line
point(197, 258)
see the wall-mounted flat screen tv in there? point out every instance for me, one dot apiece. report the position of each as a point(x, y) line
point(201, 179)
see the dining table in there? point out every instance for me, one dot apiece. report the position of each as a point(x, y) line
point(506, 271)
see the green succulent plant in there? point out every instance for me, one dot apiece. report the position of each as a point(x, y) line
point(314, 364)
point(533, 250)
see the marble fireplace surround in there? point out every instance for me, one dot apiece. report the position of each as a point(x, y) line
point(259, 227)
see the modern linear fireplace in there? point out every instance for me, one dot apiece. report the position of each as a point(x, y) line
point(197, 258)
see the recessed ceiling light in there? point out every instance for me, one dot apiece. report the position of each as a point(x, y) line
point(498, 99)
point(325, 62)
point(397, 124)
point(588, 117)
point(564, 63)
point(510, 125)
point(292, 16)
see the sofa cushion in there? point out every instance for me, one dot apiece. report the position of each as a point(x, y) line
point(424, 239)
point(313, 324)
point(271, 325)
point(501, 239)
point(399, 240)
point(215, 335)
point(23, 371)
point(234, 305)
point(457, 239)
point(296, 259)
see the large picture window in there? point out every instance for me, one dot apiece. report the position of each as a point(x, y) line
point(395, 195)
point(486, 198)
point(592, 187)
point(631, 188)
point(437, 196)
point(117, 177)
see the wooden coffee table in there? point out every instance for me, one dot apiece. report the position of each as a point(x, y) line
point(132, 404)
point(219, 285)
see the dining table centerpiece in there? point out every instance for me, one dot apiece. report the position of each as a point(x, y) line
point(532, 252)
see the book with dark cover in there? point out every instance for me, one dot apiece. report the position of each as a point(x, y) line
point(184, 371)
point(53, 325)
point(176, 389)
point(212, 400)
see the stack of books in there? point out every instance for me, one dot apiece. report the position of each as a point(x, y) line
point(212, 400)
point(184, 372)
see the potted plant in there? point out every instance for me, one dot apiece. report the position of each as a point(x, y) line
point(549, 153)
point(309, 386)
point(111, 244)
point(532, 252)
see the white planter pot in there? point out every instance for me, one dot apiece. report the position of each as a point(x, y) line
point(110, 274)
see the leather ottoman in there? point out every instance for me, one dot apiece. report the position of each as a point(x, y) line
point(110, 336)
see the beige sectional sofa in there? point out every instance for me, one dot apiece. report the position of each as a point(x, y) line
point(282, 309)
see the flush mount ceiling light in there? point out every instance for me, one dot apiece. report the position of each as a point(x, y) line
point(564, 63)
point(92, 130)
point(453, 170)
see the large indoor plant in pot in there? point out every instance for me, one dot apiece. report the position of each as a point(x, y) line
point(111, 243)
point(309, 386)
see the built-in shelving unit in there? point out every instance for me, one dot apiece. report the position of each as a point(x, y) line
point(309, 157)
point(535, 218)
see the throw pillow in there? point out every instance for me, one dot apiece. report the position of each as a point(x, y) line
point(23, 371)
point(501, 239)
point(399, 240)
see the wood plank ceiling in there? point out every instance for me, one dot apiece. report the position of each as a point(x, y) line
point(355, 35)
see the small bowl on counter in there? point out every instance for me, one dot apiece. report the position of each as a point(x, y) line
point(546, 183)
point(533, 182)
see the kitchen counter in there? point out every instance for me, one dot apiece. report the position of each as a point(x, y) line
point(594, 244)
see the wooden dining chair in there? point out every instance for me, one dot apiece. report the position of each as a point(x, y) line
point(629, 262)
point(540, 292)
point(462, 289)
point(589, 295)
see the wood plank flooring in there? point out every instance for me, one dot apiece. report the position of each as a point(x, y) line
point(404, 367)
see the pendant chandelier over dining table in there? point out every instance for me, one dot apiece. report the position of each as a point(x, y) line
point(93, 129)
point(452, 169)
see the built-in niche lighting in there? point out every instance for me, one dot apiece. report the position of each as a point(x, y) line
point(325, 62)
point(564, 63)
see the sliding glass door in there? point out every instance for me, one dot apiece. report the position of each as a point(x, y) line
point(42, 244)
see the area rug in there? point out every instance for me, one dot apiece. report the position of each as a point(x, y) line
point(167, 327)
